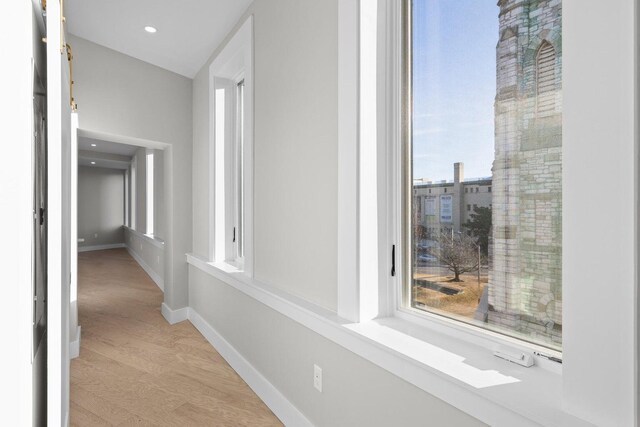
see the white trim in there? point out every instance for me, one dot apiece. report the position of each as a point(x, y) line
point(122, 139)
point(74, 346)
point(154, 276)
point(348, 110)
point(598, 134)
point(174, 316)
point(363, 253)
point(537, 403)
point(270, 395)
point(146, 237)
point(100, 247)
point(234, 61)
point(149, 191)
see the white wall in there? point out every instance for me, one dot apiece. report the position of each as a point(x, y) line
point(100, 206)
point(148, 252)
point(295, 154)
point(124, 96)
point(355, 391)
point(16, 211)
point(59, 220)
point(295, 213)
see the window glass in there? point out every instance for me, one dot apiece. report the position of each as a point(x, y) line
point(239, 180)
point(486, 107)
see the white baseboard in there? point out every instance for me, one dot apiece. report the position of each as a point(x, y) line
point(100, 247)
point(271, 396)
point(74, 346)
point(174, 316)
point(154, 276)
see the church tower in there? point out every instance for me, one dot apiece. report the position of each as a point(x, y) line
point(525, 287)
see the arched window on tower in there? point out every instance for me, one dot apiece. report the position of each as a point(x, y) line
point(546, 79)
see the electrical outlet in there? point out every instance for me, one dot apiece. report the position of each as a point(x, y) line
point(317, 377)
point(95, 235)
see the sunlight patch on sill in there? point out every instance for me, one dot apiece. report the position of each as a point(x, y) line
point(432, 356)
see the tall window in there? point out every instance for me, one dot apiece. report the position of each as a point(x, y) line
point(546, 78)
point(149, 191)
point(483, 94)
point(231, 171)
point(126, 198)
point(239, 172)
point(133, 184)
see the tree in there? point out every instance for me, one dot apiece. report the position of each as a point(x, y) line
point(459, 253)
point(420, 232)
point(480, 227)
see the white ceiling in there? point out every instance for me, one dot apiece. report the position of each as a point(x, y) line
point(188, 30)
point(106, 147)
point(102, 163)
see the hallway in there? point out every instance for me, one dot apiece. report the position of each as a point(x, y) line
point(136, 369)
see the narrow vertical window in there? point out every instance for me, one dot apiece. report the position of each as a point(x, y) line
point(239, 172)
point(546, 79)
point(126, 198)
point(483, 93)
point(149, 191)
point(134, 201)
point(231, 154)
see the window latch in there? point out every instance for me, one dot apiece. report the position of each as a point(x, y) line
point(393, 260)
point(234, 234)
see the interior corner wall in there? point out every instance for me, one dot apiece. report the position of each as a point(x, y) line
point(121, 95)
point(100, 206)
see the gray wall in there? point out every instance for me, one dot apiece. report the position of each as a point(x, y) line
point(100, 206)
point(295, 211)
point(149, 253)
point(355, 392)
point(120, 95)
point(295, 148)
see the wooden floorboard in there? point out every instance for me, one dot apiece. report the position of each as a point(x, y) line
point(135, 369)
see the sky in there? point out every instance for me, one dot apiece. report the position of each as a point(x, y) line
point(454, 86)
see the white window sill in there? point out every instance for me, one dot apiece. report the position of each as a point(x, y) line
point(465, 375)
point(147, 237)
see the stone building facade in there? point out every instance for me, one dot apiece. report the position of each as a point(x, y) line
point(525, 287)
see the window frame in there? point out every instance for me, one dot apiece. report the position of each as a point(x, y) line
point(607, 392)
point(133, 223)
point(231, 184)
point(238, 168)
point(400, 194)
point(149, 192)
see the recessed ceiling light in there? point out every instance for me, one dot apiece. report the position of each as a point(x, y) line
point(93, 145)
point(150, 29)
point(93, 163)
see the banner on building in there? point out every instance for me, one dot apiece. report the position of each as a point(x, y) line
point(446, 208)
point(430, 206)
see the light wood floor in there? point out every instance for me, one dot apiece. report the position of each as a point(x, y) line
point(136, 369)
